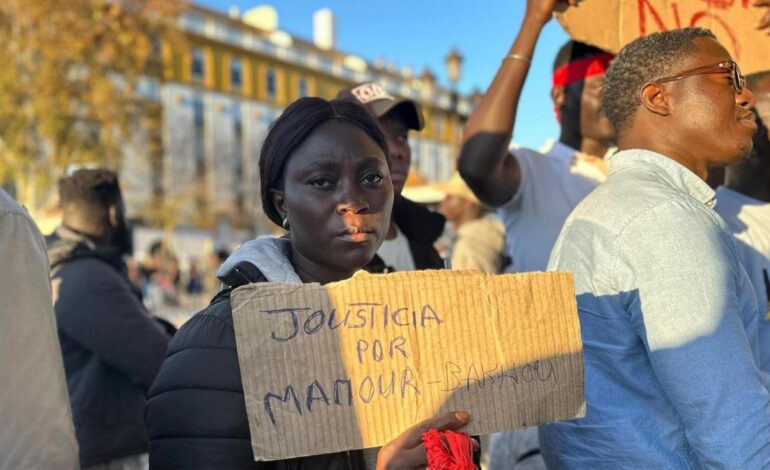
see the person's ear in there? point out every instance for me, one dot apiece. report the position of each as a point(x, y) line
point(278, 199)
point(558, 97)
point(114, 215)
point(655, 99)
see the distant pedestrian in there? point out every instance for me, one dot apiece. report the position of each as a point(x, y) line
point(477, 236)
point(112, 348)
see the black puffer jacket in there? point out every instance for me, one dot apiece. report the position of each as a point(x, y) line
point(196, 413)
point(112, 348)
point(421, 227)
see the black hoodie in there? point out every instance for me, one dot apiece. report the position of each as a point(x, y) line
point(112, 348)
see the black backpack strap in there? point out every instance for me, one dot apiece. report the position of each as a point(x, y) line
point(243, 273)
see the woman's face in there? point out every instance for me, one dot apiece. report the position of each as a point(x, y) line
point(337, 196)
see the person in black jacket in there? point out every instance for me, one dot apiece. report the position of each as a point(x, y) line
point(112, 348)
point(325, 179)
point(413, 229)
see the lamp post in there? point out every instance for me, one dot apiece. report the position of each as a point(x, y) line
point(454, 64)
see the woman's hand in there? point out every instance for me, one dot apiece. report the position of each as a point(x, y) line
point(407, 450)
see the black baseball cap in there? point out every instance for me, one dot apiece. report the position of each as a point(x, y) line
point(378, 102)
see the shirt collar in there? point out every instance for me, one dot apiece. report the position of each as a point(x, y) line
point(672, 172)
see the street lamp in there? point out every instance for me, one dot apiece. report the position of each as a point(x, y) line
point(454, 64)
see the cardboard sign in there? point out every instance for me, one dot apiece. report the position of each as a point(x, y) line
point(610, 25)
point(353, 364)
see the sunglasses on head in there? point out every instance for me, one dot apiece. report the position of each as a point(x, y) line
point(738, 80)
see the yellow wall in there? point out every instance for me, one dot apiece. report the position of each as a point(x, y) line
point(254, 66)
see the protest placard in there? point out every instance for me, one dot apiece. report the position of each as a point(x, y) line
point(352, 364)
point(610, 25)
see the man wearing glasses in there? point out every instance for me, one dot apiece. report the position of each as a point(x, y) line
point(668, 315)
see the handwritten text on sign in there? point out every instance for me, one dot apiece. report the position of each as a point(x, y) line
point(612, 25)
point(352, 364)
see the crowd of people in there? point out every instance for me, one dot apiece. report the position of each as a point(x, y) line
point(174, 289)
point(671, 275)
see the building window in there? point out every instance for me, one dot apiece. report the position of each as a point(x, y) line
point(438, 126)
point(436, 173)
point(271, 84)
point(236, 74)
point(234, 36)
point(302, 90)
point(238, 160)
point(197, 68)
point(156, 45)
point(198, 148)
point(193, 21)
point(326, 63)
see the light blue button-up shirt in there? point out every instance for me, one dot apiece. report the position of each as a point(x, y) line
point(668, 318)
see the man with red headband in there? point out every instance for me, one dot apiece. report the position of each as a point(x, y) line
point(536, 192)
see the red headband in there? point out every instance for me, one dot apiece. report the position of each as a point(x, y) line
point(581, 69)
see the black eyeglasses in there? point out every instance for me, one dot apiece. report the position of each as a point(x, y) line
point(739, 81)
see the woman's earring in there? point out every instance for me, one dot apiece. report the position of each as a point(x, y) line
point(285, 223)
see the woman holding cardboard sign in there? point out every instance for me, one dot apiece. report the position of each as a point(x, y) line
point(325, 179)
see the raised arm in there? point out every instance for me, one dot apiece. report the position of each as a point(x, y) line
point(484, 161)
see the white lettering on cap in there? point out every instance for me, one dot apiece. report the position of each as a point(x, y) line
point(370, 92)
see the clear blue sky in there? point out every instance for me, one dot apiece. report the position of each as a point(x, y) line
point(420, 33)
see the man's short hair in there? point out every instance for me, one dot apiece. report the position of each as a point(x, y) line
point(95, 187)
point(642, 61)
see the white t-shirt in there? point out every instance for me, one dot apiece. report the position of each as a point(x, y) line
point(396, 253)
point(551, 186)
point(749, 221)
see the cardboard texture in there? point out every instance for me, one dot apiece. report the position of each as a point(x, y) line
point(400, 348)
point(610, 25)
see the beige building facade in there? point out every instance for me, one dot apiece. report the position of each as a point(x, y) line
point(196, 163)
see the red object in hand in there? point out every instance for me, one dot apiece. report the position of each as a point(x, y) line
point(448, 450)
